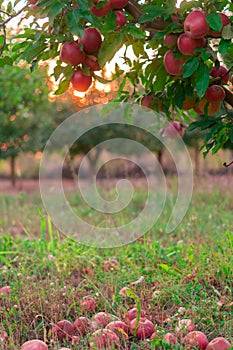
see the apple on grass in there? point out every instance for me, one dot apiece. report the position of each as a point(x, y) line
point(104, 339)
point(187, 45)
point(101, 319)
point(133, 313)
point(82, 326)
point(6, 290)
point(196, 339)
point(34, 344)
point(63, 330)
point(173, 65)
point(81, 82)
point(170, 339)
point(72, 54)
point(110, 265)
point(195, 24)
point(143, 328)
point(219, 343)
point(120, 328)
point(88, 304)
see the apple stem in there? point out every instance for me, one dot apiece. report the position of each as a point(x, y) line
point(227, 165)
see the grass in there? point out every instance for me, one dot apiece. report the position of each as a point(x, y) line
point(49, 274)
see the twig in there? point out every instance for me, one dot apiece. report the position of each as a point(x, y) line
point(13, 16)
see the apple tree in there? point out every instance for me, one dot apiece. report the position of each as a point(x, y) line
point(177, 56)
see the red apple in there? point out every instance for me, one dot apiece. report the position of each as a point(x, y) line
point(170, 41)
point(72, 54)
point(110, 265)
point(34, 344)
point(197, 339)
point(144, 328)
point(32, 2)
point(225, 22)
point(3, 336)
point(215, 93)
point(5, 290)
point(63, 330)
point(174, 129)
point(133, 313)
point(213, 107)
point(147, 101)
point(172, 65)
point(92, 63)
point(123, 291)
point(220, 72)
point(88, 305)
point(82, 326)
point(195, 24)
point(104, 338)
point(219, 343)
point(185, 325)
point(80, 81)
point(102, 11)
point(91, 40)
point(118, 4)
point(170, 339)
point(154, 336)
point(101, 319)
point(187, 45)
point(118, 327)
point(120, 19)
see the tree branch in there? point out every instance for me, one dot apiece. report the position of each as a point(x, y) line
point(229, 96)
point(13, 16)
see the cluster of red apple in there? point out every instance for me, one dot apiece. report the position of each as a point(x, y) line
point(196, 33)
point(85, 51)
point(104, 331)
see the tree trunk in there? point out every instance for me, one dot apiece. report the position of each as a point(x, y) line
point(13, 175)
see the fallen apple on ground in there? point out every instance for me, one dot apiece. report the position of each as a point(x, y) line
point(196, 339)
point(34, 344)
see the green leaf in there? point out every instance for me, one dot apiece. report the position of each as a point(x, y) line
point(215, 21)
point(63, 86)
point(55, 10)
point(32, 51)
point(154, 11)
point(136, 32)
point(227, 32)
point(73, 23)
point(191, 66)
point(138, 48)
point(223, 46)
point(6, 61)
point(202, 80)
point(111, 44)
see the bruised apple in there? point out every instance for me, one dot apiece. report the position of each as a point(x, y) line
point(101, 319)
point(88, 305)
point(104, 338)
point(63, 330)
point(118, 327)
point(195, 24)
point(170, 339)
point(172, 65)
point(34, 344)
point(80, 81)
point(72, 54)
point(133, 313)
point(196, 339)
point(144, 328)
point(219, 343)
point(82, 326)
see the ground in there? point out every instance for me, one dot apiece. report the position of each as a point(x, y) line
point(187, 274)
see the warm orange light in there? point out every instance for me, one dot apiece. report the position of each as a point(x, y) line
point(39, 155)
point(12, 118)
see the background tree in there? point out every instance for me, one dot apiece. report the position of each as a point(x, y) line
point(175, 59)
